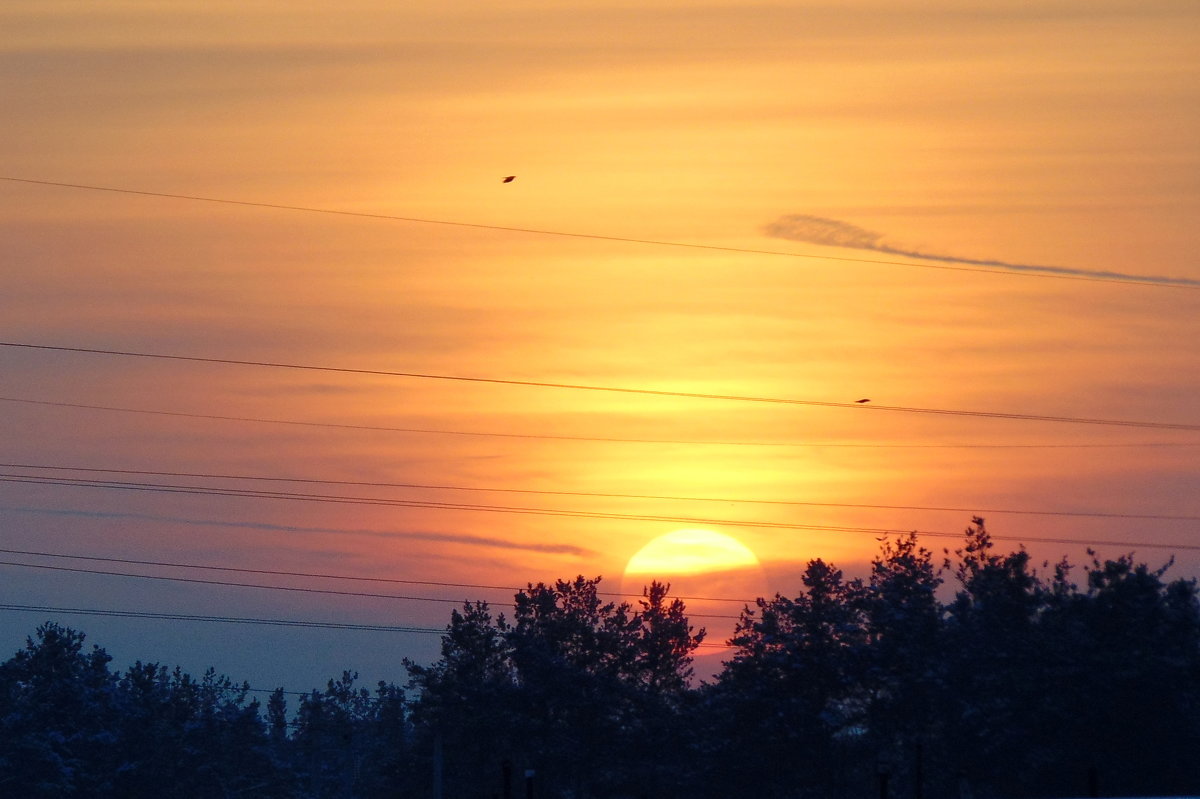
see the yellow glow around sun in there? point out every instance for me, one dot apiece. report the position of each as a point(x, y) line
point(714, 574)
point(691, 552)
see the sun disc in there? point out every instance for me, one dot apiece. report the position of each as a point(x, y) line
point(715, 575)
point(691, 552)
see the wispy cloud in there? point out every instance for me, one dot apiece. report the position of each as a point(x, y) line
point(418, 535)
point(836, 233)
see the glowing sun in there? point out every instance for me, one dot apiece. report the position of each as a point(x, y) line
point(715, 575)
point(690, 552)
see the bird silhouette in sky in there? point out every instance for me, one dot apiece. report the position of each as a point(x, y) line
point(862, 401)
point(510, 178)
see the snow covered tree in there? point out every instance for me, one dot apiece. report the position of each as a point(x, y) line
point(905, 656)
point(58, 710)
point(1121, 678)
point(349, 743)
point(571, 688)
point(465, 702)
point(789, 701)
point(190, 737)
point(579, 663)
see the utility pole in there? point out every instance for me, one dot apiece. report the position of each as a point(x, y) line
point(883, 772)
point(918, 774)
point(437, 765)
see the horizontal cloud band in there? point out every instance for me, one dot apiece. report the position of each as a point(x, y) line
point(418, 535)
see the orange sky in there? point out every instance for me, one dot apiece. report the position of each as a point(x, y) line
point(1062, 134)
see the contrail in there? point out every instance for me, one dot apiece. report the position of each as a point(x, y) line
point(836, 233)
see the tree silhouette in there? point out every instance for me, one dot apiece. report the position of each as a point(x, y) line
point(789, 701)
point(57, 710)
point(466, 702)
point(1010, 682)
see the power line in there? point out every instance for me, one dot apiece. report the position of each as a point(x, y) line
point(297, 589)
point(432, 505)
point(425, 504)
point(1026, 417)
point(605, 439)
point(601, 495)
point(286, 528)
point(1129, 280)
point(426, 430)
point(241, 687)
point(429, 505)
point(326, 576)
point(228, 583)
point(302, 623)
point(384, 628)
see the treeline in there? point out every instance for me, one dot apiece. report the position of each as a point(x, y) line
point(1026, 683)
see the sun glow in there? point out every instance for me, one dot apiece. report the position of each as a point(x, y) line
point(690, 552)
point(715, 575)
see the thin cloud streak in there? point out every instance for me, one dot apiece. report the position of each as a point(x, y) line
point(452, 538)
point(836, 233)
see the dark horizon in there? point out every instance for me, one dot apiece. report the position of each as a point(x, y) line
point(849, 688)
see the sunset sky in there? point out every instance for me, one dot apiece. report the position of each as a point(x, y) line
point(986, 208)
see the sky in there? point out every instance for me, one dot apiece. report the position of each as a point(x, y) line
point(986, 209)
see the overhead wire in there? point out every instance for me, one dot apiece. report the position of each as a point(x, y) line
point(305, 623)
point(1127, 280)
point(292, 588)
point(298, 589)
point(553, 512)
point(626, 390)
point(605, 439)
point(328, 576)
point(424, 430)
point(227, 583)
point(598, 495)
point(300, 623)
point(425, 504)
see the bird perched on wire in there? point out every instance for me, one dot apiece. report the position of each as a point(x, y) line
point(509, 178)
point(861, 401)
